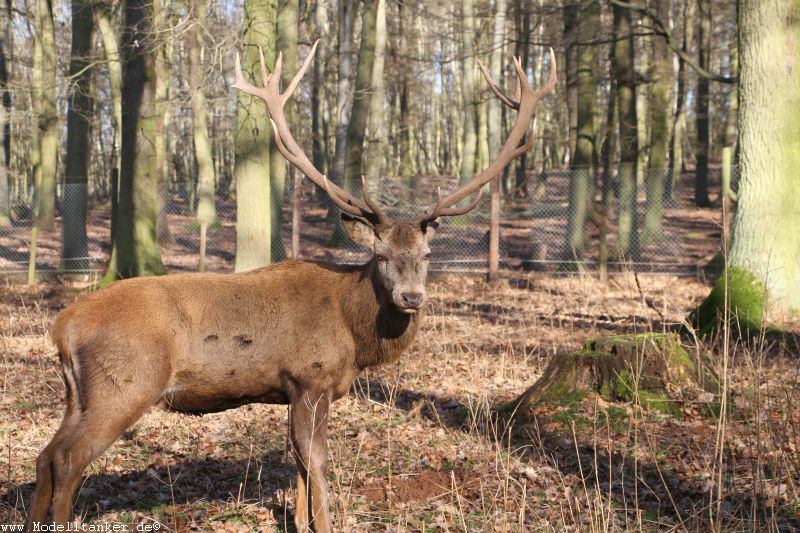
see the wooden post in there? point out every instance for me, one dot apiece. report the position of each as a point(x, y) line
point(298, 185)
point(494, 230)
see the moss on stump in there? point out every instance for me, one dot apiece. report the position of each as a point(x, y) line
point(651, 367)
point(745, 304)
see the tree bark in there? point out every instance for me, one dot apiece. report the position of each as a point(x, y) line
point(702, 104)
point(253, 235)
point(764, 263)
point(581, 185)
point(470, 139)
point(206, 180)
point(356, 128)
point(345, 41)
point(74, 249)
point(659, 139)
point(522, 23)
point(286, 44)
point(628, 241)
point(137, 247)
point(376, 140)
point(45, 177)
point(5, 128)
point(679, 118)
point(570, 11)
point(162, 60)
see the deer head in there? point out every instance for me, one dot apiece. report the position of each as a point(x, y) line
point(400, 248)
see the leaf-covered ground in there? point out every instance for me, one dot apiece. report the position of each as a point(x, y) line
point(416, 446)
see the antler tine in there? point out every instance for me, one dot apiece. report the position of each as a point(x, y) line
point(510, 149)
point(263, 67)
point(300, 73)
point(244, 86)
point(495, 89)
point(287, 145)
point(379, 216)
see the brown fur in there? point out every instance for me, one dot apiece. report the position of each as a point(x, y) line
point(294, 333)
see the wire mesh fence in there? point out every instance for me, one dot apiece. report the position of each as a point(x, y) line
point(539, 228)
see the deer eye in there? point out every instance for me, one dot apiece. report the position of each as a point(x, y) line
point(427, 256)
point(382, 258)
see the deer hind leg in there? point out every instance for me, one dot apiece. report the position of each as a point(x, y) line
point(40, 503)
point(309, 438)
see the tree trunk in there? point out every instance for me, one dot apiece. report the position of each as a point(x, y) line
point(581, 185)
point(570, 17)
point(206, 208)
point(376, 141)
point(764, 263)
point(162, 60)
point(628, 241)
point(5, 129)
point(522, 23)
point(319, 138)
point(137, 247)
point(286, 44)
point(356, 128)
point(253, 235)
point(45, 172)
point(495, 111)
point(702, 104)
point(345, 35)
point(659, 140)
point(74, 250)
point(679, 118)
point(470, 142)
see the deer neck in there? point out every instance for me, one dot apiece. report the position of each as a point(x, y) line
point(381, 332)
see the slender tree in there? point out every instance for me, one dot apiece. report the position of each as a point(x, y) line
point(5, 126)
point(702, 103)
point(376, 140)
point(581, 186)
point(137, 247)
point(356, 128)
point(251, 171)
point(345, 15)
point(659, 139)
point(74, 249)
point(570, 11)
point(286, 45)
point(470, 139)
point(45, 171)
point(206, 179)
point(628, 242)
point(764, 261)
point(679, 117)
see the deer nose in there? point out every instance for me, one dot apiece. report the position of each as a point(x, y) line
point(412, 299)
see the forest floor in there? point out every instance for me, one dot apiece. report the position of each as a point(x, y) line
point(415, 446)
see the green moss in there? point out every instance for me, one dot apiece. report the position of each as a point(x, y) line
point(660, 401)
point(623, 386)
point(745, 304)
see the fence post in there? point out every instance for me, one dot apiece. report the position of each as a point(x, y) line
point(494, 230)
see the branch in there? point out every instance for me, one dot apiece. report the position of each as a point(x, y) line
point(662, 30)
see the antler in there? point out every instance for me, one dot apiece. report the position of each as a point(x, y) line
point(525, 103)
point(275, 100)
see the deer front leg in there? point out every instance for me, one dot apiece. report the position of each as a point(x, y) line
point(309, 427)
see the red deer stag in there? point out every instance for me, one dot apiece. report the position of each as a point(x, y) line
point(294, 333)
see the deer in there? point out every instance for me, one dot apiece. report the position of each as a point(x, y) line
point(296, 332)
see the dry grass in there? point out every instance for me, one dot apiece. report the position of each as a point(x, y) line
point(416, 447)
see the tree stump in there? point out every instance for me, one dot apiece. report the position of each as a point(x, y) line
point(651, 368)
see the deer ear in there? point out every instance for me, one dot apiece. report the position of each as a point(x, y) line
point(429, 228)
point(359, 231)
